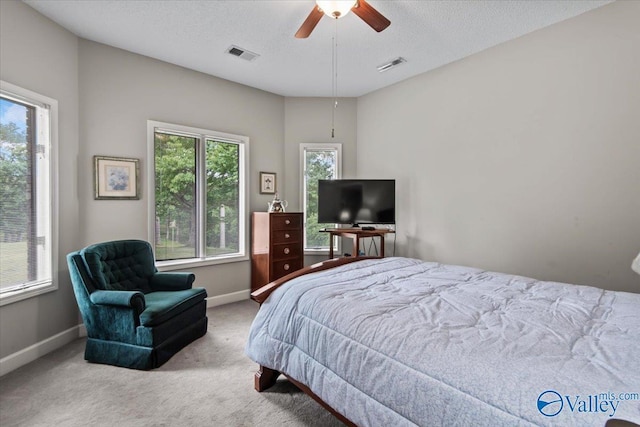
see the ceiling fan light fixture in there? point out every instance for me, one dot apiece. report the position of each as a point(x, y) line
point(336, 8)
point(339, 8)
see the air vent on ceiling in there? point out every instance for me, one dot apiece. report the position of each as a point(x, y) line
point(241, 53)
point(391, 64)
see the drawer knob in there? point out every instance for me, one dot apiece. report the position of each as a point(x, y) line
point(287, 221)
point(287, 235)
point(286, 251)
point(286, 267)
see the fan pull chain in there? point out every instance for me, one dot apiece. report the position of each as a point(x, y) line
point(334, 73)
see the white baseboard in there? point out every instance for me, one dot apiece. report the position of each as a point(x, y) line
point(228, 298)
point(33, 352)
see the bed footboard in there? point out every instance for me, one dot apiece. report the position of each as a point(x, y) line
point(265, 377)
point(261, 294)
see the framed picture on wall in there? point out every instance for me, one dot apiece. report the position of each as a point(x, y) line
point(267, 183)
point(116, 178)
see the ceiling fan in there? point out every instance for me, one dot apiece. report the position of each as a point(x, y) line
point(339, 8)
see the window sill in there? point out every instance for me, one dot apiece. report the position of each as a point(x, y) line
point(198, 262)
point(25, 293)
point(317, 252)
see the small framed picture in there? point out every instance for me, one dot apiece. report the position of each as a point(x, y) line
point(267, 183)
point(116, 178)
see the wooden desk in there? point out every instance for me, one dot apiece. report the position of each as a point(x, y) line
point(356, 234)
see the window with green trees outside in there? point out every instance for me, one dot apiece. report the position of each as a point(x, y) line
point(27, 140)
point(199, 189)
point(319, 161)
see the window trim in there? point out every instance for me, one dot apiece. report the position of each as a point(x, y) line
point(243, 172)
point(303, 188)
point(44, 286)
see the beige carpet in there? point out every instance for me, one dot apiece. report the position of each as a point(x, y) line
point(209, 383)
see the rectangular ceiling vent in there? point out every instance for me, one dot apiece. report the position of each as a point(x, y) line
point(391, 64)
point(242, 53)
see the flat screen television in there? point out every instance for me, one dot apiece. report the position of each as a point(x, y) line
point(357, 201)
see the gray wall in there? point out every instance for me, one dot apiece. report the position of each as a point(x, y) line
point(524, 158)
point(38, 55)
point(105, 97)
point(119, 92)
point(308, 121)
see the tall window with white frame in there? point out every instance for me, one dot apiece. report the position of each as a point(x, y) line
point(318, 161)
point(26, 193)
point(199, 194)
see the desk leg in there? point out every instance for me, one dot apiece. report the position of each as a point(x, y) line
point(356, 246)
point(382, 245)
point(331, 245)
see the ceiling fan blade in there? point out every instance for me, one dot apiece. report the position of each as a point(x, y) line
point(310, 23)
point(371, 16)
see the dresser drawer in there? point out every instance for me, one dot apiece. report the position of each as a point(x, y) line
point(285, 222)
point(286, 251)
point(286, 236)
point(282, 268)
point(276, 245)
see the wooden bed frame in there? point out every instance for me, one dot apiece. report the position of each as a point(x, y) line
point(265, 377)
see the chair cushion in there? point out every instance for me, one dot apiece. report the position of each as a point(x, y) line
point(163, 305)
point(124, 265)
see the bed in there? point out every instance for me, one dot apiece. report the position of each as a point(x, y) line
point(402, 342)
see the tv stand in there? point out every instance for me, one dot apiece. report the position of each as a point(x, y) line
point(356, 234)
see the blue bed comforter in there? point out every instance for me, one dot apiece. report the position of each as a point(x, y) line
point(399, 342)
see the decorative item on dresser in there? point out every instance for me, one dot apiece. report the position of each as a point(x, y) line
point(276, 246)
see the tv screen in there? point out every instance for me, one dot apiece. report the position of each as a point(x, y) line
point(357, 201)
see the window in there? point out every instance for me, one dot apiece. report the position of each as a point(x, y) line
point(27, 146)
point(199, 187)
point(318, 161)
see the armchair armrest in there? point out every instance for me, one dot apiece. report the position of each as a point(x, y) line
point(133, 299)
point(172, 281)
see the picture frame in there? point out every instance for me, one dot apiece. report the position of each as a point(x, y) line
point(267, 183)
point(116, 178)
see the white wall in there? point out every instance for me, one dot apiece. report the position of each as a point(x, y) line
point(524, 158)
point(40, 56)
point(119, 92)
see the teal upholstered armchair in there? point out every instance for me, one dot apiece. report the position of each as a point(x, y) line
point(135, 316)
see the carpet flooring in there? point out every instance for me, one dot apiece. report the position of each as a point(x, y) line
point(208, 383)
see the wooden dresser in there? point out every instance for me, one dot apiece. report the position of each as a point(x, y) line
point(276, 246)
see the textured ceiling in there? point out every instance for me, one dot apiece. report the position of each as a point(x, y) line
point(196, 34)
